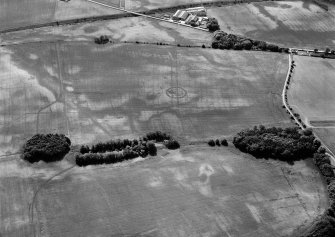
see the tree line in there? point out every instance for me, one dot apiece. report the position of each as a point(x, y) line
point(144, 149)
point(118, 150)
point(217, 142)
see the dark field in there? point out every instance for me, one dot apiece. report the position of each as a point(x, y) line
point(97, 92)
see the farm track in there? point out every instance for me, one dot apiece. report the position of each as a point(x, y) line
point(40, 187)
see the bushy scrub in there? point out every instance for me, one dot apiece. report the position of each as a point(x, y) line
point(46, 147)
point(171, 144)
point(211, 142)
point(224, 142)
point(103, 39)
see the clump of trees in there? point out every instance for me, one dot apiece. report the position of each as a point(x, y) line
point(172, 144)
point(217, 142)
point(213, 25)
point(103, 39)
point(46, 147)
point(223, 40)
point(286, 144)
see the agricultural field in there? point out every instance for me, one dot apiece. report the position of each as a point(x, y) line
point(123, 29)
point(195, 191)
point(97, 92)
point(287, 23)
point(311, 94)
point(19, 13)
point(93, 92)
point(142, 5)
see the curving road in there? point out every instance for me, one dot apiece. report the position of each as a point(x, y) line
point(284, 93)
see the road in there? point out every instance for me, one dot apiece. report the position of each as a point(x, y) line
point(284, 93)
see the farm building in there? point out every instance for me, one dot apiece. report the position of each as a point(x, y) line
point(198, 11)
point(191, 19)
point(180, 15)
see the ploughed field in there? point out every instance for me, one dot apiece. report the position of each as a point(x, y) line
point(311, 94)
point(288, 23)
point(20, 13)
point(195, 191)
point(91, 92)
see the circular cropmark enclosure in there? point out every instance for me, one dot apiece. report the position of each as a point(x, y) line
point(176, 92)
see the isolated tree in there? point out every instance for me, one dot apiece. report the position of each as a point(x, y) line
point(172, 144)
point(211, 142)
point(213, 25)
point(152, 150)
point(224, 142)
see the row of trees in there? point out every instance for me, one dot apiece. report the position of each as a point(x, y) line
point(46, 147)
point(223, 40)
point(217, 142)
point(286, 144)
point(119, 150)
point(112, 145)
point(121, 144)
point(147, 148)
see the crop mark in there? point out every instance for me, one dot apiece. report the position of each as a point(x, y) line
point(176, 92)
point(31, 205)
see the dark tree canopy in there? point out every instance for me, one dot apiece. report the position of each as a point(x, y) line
point(46, 147)
point(172, 144)
point(286, 144)
point(213, 25)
